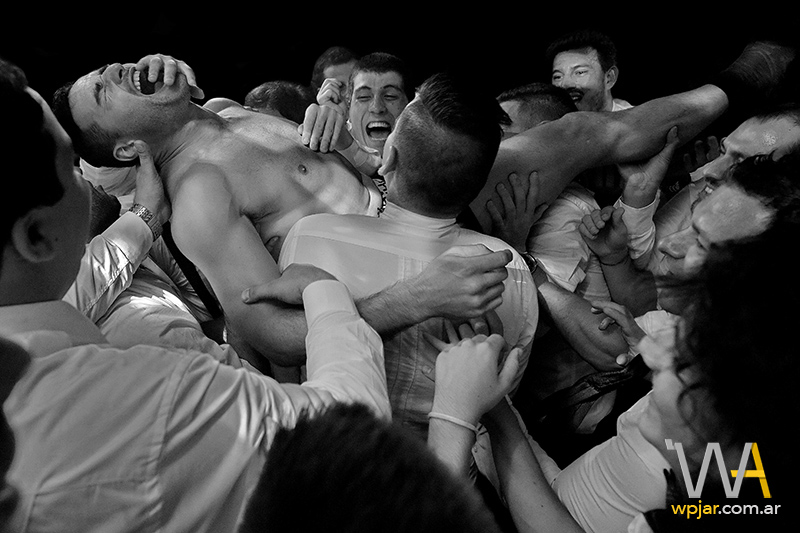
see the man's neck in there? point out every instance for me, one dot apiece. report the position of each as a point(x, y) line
point(201, 128)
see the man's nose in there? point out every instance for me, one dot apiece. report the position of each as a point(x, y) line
point(112, 72)
point(677, 244)
point(377, 105)
point(713, 170)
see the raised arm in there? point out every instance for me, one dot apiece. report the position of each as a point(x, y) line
point(560, 150)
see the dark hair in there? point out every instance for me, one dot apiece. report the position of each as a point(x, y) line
point(581, 40)
point(27, 150)
point(776, 182)
point(381, 62)
point(738, 340)
point(335, 55)
point(543, 100)
point(288, 98)
point(93, 145)
point(345, 470)
point(447, 142)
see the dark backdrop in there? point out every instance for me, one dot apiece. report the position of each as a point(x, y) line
point(662, 50)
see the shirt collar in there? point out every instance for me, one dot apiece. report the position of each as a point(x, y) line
point(395, 213)
point(19, 321)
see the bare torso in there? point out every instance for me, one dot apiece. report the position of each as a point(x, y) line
point(273, 179)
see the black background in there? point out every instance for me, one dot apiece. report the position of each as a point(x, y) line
point(662, 48)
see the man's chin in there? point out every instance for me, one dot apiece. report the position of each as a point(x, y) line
point(375, 144)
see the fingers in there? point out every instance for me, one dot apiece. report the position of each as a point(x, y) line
point(330, 91)
point(309, 121)
point(509, 205)
point(478, 326)
point(452, 334)
point(270, 290)
point(145, 157)
point(439, 344)
point(713, 147)
point(510, 368)
point(493, 261)
point(467, 250)
point(497, 218)
point(466, 331)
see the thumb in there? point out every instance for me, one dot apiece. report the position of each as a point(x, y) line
point(145, 157)
point(671, 145)
point(616, 215)
point(510, 368)
point(271, 290)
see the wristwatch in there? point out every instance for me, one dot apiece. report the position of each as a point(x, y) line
point(149, 218)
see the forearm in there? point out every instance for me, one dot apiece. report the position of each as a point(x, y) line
point(533, 504)
point(638, 133)
point(345, 355)
point(572, 316)
point(393, 309)
point(108, 265)
point(452, 444)
point(630, 286)
point(276, 333)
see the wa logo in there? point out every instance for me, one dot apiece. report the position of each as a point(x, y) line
point(738, 475)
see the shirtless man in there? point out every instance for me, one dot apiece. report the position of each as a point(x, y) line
point(238, 178)
point(557, 151)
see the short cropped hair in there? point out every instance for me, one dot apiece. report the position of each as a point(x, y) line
point(582, 40)
point(381, 62)
point(94, 145)
point(28, 151)
point(447, 141)
point(544, 100)
point(345, 470)
point(287, 98)
point(335, 55)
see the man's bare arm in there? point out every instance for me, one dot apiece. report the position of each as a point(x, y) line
point(464, 283)
point(574, 319)
point(560, 150)
point(225, 246)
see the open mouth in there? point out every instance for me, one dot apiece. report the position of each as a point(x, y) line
point(378, 130)
point(145, 86)
point(576, 95)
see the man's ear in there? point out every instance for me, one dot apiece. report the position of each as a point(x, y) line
point(32, 239)
point(611, 77)
point(389, 163)
point(125, 151)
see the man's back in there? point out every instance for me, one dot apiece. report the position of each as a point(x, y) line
point(369, 254)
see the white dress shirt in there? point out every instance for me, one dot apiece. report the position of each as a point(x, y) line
point(369, 254)
point(157, 439)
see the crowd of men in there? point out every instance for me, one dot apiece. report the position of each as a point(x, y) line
point(373, 303)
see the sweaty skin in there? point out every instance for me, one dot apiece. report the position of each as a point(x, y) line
point(236, 179)
point(238, 182)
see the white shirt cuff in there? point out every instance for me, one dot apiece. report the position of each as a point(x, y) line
point(324, 296)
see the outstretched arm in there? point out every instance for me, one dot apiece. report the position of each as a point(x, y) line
point(533, 504)
point(470, 380)
point(560, 150)
point(465, 282)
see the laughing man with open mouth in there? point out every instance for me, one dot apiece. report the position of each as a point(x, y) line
point(378, 93)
